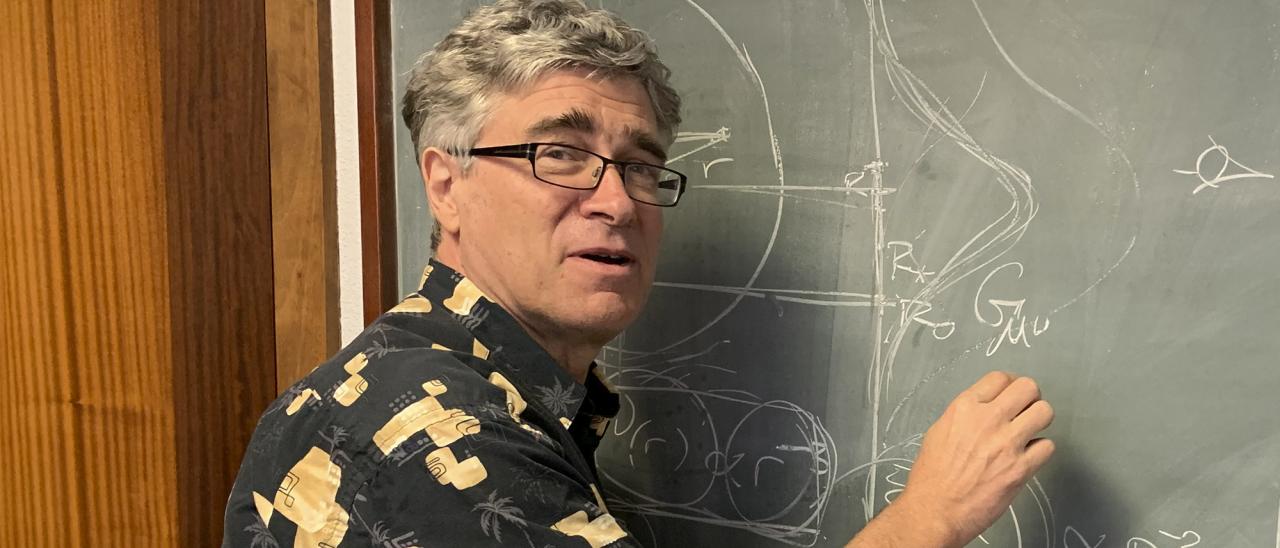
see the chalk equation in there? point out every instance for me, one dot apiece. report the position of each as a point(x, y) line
point(1073, 538)
point(1006, 315)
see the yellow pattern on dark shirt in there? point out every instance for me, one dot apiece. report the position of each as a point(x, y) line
point(442, 424)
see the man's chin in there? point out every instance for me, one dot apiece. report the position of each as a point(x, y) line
point(604, 317)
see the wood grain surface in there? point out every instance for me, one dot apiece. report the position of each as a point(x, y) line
point(88, 421)
point(377, 157)
point(218, 187)
point(137, 306)
point(303, 193)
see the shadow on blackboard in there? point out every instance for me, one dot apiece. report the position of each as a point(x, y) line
point(1095, 512)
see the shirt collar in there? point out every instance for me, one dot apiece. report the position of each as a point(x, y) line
point(535, 372)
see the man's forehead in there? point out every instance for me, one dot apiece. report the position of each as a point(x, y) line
point(578, 120)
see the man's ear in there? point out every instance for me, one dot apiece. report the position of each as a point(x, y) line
point(440, 170)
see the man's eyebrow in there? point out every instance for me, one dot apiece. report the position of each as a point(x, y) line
point(577, 120)
point(574, 120)
point(645, 141)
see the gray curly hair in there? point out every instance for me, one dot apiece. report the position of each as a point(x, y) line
point(505, 46)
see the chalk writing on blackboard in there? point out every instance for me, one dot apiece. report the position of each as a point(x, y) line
point(904, 259)
point(738, 442)
point(1186, 540)
point(706, 166)
point(715, 456)
point(707, 139)
point(1007, 315)
point(1072, 538)
point(1208, 179)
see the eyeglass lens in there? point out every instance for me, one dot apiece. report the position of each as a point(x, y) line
point(575, 168)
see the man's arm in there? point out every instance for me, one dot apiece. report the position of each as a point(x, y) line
point(973, 461)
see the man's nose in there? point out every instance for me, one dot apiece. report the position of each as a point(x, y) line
point(609, 199)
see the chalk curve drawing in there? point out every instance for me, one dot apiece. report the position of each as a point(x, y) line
point(722, 469)
point(713, 464)
point(786, 440)
point(982, 251)
point(706, 140)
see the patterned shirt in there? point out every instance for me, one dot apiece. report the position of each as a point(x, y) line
point(442, 424)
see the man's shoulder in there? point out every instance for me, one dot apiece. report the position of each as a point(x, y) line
point(406, 386)
point(401, 371)
point(398, 354)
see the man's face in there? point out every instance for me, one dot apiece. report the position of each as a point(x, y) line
point(537, 249)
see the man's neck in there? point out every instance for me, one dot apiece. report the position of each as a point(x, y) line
point(573, 358)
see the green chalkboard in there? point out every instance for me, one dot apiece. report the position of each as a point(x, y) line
point(890, 199)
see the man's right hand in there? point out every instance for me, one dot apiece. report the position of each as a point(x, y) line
point(971, 464)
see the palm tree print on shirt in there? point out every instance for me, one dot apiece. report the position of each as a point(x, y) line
point(262, 537)
point(496, 510)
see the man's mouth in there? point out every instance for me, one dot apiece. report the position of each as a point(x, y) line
point(606, 257)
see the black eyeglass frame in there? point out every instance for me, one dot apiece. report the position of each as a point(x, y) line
point(529, 151)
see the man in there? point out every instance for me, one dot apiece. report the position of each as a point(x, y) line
point(468, 415)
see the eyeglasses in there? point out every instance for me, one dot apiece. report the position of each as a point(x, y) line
point(572, 167)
